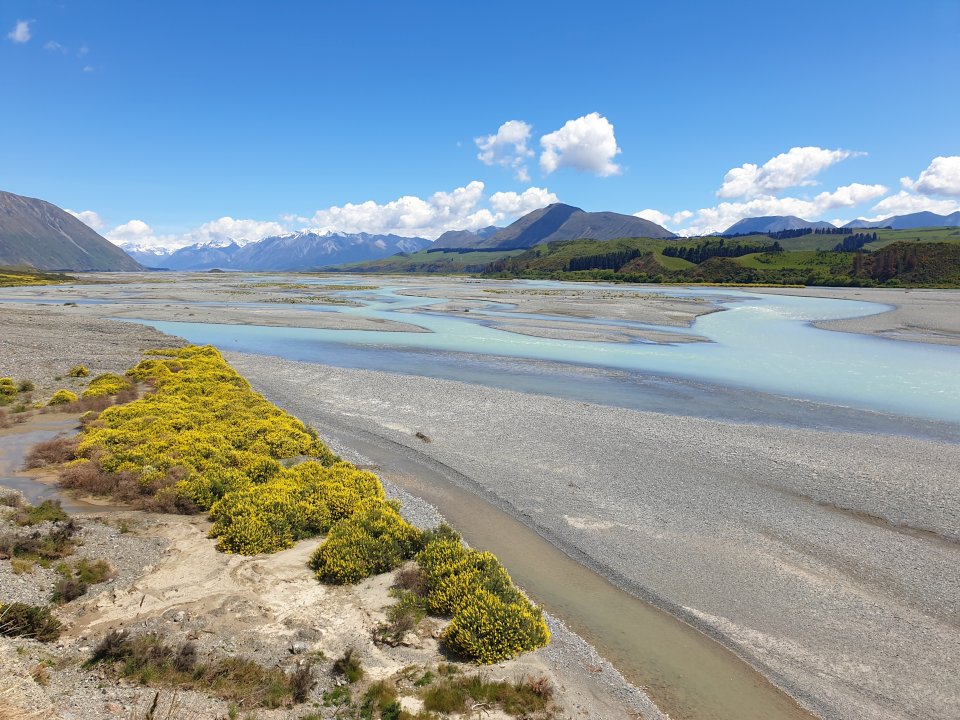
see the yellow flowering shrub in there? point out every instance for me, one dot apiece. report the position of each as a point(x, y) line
point(487, 629)
point(78, 371)
point(373, 540)
point(106, 384)
point(491, 619)
point(62, 397)
point(8, 388)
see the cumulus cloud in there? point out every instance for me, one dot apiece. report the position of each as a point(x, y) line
point(459, 209)
point(88, 217)
point(904, 203)
point(942, 177)
point(720, 217)
point(511, 204)
point(586, 144)
point(139, 234)
point(508, 147)
point(20, 32)
point(662, 219)
point(795, 168)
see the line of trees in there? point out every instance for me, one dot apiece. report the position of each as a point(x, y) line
point(855, 242)
point(717, 248)
point(606, 261)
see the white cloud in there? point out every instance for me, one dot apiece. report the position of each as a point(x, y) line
point(587, 144)
point(410, 215)
point(20, 32)
point(794, 168)
point(942, 177)
point(227, 228)
point(89, 217)
point(662, 219)
point(507, 148)
point(720, 217)
point(511, 204)
point(54, 46)
point(904, 203)
point(139, 234)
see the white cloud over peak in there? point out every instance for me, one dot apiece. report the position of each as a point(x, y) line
point(511, 204)
point(663, 219)
point(795, 168)
point(508, 147)
point(904, 203)
point(463, 208)
point(586, 144)
point(941, 177)
point(138, 234)
point(719, 217)
point(20, 32)
point(88, 217)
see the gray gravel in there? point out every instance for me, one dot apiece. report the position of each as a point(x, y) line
point(827, 559)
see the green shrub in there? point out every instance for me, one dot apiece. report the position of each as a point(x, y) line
point(62, 397)
point(47, 511)
point(78, 371)
point(30, 621)
point(26, 386)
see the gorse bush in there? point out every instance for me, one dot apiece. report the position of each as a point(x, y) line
point(491, 619)
point(106, 384)
point(375, 539)
point(201, 435)
point(62, 397)
point(204, 439)
point(78, 371)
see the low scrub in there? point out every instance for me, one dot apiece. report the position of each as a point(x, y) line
point(29, 621)
point(78, 371)
point(77, 579)
point(149, 660)
point(47, 511)
point(52, 452)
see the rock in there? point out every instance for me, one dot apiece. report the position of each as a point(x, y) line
point(298, 648)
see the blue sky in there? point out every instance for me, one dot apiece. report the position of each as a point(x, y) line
point(195, 120)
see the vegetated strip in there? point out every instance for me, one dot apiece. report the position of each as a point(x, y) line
point(204, 440)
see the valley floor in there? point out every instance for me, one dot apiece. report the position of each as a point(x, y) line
point(826, 559)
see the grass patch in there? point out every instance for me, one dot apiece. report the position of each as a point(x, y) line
point(349, 665)
point(148, 660)
point(527, 697)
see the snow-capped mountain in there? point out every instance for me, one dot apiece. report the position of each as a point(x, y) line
point(291, 251)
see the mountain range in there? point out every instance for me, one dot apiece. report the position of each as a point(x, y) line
point(778, 223)
point(291, 251)
point(39, 234)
